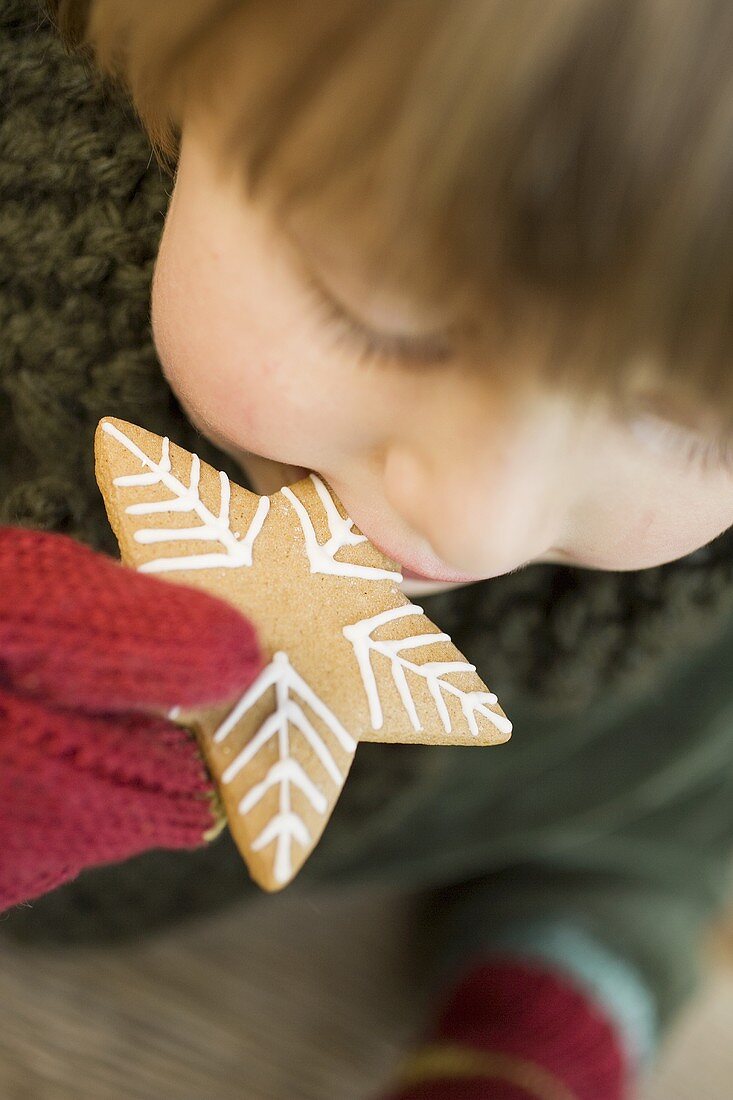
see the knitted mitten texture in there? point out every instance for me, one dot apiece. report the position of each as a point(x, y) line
point(513, 1030)
point(85, 647)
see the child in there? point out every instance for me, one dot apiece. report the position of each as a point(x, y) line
point(473, 263)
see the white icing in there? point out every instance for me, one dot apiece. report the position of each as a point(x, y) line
point(322, 557)
point(186, 498)
point(284, 827)
point(472, 702)
point(287, 772)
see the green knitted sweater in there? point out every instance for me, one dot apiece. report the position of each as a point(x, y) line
point(82, 203)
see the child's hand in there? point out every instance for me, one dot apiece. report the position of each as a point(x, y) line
point(86, 648)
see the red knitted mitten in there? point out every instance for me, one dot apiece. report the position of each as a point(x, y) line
point(515, 1030)
point(86, 647)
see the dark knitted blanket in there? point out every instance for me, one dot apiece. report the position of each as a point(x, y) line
point(82, 203)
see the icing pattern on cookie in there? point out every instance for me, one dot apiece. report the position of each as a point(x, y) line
point(286, 773)
point(281, 752)
point(472, 702)
point(186, 498)
point(322, 557)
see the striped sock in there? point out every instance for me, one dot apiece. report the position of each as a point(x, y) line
point(515, 1029)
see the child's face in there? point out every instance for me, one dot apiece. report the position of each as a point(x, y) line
point(445, 471)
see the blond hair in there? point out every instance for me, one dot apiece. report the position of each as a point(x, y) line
point(560, 171)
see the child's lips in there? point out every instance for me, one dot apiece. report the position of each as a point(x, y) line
point(438, 573)
point(411, 575)
point(445, 575)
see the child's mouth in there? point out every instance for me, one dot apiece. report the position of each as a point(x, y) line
point(411, 575)
point(441, 573)
point(446, 576)
point(267, 476)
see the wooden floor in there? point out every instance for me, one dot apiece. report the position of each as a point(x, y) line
point(299, 997)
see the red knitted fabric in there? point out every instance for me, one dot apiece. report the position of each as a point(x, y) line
point(515, 1030)
point(85, 647)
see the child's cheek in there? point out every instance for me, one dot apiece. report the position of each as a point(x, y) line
point(245, 407)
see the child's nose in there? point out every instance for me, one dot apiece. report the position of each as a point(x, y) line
point(482, 523)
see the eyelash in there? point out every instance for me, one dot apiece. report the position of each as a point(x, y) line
point(695, 451)
point(704, 454)
point(368, 344)
point(700, 454)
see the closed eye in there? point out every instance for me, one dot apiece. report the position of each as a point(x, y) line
point(693, 448)
point(368, 343)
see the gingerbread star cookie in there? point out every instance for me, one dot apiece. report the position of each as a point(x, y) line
point(350, 658)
